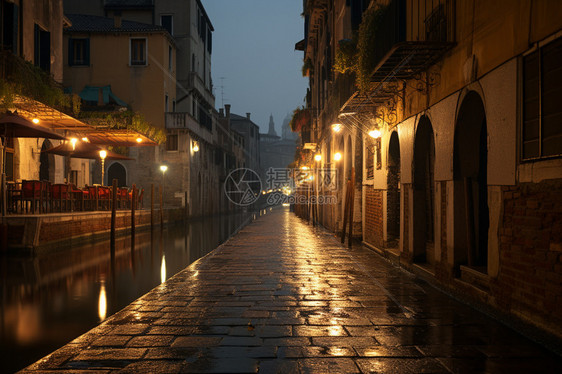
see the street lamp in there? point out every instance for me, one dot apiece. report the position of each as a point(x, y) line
point(163, 169)
point(318, 157)
point(103, 154)
point(337, 156)
point(195, 146)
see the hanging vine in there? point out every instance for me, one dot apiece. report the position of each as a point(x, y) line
point(125, 120)
point(366, 45)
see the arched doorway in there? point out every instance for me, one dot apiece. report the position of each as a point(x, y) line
point(470, 168)
point(46, 163)
point(393, 192)
point(424, 192)
point(117, 171)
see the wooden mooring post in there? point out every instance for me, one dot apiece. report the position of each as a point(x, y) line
point(133, 207)
point(151, 206)
point(113, 213)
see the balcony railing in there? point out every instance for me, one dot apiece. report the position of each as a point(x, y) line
point(185, 121)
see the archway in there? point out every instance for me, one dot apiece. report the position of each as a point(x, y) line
point(393, 192)
point(117, 171)
point(424, 192)
point(470, 168)
point(46, 163)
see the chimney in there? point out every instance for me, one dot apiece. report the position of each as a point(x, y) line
point(227, 110)
point(248, 115)
point(117, 20)
point(221, 112)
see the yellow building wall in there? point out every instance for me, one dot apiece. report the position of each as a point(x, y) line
point(142, 87)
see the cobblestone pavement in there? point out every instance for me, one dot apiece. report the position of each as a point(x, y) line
point(283, 297)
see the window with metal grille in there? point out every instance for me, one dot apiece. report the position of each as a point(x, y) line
point(138, 52)
point(541, 134)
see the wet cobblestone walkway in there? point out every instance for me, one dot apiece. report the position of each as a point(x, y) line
point(283, 297)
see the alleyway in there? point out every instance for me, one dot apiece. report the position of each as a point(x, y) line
point(282, 296)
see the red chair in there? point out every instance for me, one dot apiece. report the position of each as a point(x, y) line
point(123, 197)
point(60, 195)
point(31, 192)
point(104, 196)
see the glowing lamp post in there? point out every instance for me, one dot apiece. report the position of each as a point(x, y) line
point(103, 154)
point(163, 169)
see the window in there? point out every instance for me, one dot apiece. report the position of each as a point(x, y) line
point(138, 52)
point(542, 112)
point(79, 52)
point(209, 41)
point(166, 100)
point(42, 48)
point(167, 22)
point(170, 57)
point(173, 105)
point(172, 142)
point(9, 17)
point(369, 159)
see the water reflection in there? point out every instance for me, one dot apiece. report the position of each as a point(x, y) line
point(49, 299)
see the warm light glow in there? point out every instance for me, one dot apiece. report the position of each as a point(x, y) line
point(304, 167)
point(102, 302)
point(318, 157)
point(375, 133)
point(195, 147)
point(84, 139)
point(103, 154)
point(311, 178)
point(35, 120)
point(286, 204)
point(163, 168)
point(337, 127)
point(337, 156)
point(139, 140)
point(163, 269)
point(73, 141)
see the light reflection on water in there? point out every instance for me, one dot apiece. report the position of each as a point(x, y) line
point(49, 299)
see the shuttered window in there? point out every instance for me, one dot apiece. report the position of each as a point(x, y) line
point(542, 103)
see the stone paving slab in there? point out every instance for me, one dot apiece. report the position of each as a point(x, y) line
point(284, 297)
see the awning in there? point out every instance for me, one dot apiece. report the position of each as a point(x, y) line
point(117, 137)
point(94, 94)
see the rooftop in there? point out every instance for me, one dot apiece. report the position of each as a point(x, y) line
point(88, 23)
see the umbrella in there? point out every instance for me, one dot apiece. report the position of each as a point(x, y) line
point(83, 150)
point(14, 126)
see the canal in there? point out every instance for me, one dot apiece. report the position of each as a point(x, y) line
point(48, 300)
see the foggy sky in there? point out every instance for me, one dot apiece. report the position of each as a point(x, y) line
point(253, 49)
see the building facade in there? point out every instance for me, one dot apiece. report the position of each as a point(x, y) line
point(454, 137)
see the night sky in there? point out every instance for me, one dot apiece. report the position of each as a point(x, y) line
point(253, 50)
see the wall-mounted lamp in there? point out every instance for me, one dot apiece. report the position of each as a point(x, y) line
point(318, 157)
point(139, 140)
point(35, 120)
point(337, 156)
point(195, 146)
point(73, 141)
point(337, 127)
point(375, 134)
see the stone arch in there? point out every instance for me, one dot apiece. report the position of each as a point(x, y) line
point(424, 192)
point(470, 168)
point(46, 163)
point(117, 171)
point(393, 192)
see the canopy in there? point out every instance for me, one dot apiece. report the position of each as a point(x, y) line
point(83, 150)
point(94, 94)
point(14, 126)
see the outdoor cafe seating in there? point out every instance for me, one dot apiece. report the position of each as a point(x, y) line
point(40, 197)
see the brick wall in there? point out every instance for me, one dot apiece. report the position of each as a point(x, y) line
point(374, 217)
point(530, 279)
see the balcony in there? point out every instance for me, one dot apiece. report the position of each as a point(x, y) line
point(415, 35)
point(184, 121)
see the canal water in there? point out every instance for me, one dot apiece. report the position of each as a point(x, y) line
point(49, 299)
